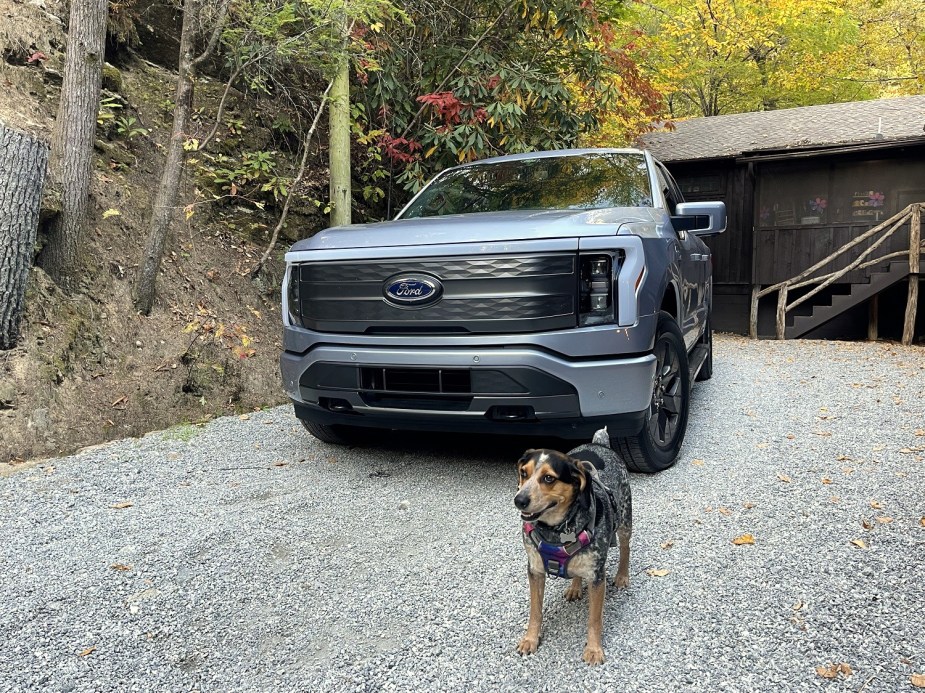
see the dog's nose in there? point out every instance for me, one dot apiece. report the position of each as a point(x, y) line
point(521, 500)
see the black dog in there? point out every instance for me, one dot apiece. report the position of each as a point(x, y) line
point(570, 520)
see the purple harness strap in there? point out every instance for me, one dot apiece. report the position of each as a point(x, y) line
point(556, 557)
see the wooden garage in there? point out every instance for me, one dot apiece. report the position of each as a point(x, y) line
point(800, 185)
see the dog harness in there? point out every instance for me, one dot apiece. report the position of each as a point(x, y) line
point(556, 557)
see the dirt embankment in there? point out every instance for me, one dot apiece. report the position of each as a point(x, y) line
point(88, 368)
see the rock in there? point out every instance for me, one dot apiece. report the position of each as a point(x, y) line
point(40, 420)
point(7, 396)
point(404, 505)
point(52, 77)
point(112, 78)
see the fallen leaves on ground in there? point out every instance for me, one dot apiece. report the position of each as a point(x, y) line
point(824, 434)
point(667, 544)
point(748, 506)
point(120, 566)
point(244, 417)
point(798, 605)
point(826, 480)
point(917, 680)
point(876, 505)
point(922, 522)
point(657, 572)
point(783, 477)
point(743, 539)
point(122, 505)
point(859, 543)
point(84, 653)
point(698, 463)
point(919, 432)
point(833, 670)
point(884, 520)
point(725, 512)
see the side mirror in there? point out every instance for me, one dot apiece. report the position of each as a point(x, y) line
point(700, 218)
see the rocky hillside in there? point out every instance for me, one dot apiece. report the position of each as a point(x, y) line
point(89, 368)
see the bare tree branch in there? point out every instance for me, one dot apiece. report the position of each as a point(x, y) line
point(216, 34)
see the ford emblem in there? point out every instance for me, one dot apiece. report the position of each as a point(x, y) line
point(412, 290)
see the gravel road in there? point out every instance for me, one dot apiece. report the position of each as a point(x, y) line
point(243, 555)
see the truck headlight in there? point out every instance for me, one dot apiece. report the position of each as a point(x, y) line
point(595, 294)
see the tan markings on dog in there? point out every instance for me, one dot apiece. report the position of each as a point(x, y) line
point(622, 578)
point(594, 653)
point(573, 592)
point(546, 491)
point(524, 472)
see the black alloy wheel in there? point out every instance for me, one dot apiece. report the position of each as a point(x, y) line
point(657, 445)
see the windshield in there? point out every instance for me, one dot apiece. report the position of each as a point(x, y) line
point(585, 181)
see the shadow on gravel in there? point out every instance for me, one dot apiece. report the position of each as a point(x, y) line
point(478, 448)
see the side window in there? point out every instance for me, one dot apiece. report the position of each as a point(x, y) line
point(669, 189)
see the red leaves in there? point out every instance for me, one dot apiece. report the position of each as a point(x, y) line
point(445, 103)
point(399, 148)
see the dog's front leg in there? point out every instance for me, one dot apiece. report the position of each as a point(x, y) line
point(574, 590)
point(531, 639)
point(594, 653)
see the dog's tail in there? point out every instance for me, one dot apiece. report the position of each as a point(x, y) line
point(602, 437)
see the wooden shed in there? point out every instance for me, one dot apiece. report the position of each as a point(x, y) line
point(799, 185)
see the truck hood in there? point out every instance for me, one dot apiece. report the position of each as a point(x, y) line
point(483, 227)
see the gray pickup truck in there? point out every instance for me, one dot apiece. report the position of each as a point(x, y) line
point(550, 293)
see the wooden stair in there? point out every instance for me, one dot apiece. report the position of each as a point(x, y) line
point(880, 279)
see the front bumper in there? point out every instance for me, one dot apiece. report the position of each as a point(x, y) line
point(498, 390)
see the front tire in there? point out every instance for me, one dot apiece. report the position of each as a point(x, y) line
point(657, 445)
point(337, 434)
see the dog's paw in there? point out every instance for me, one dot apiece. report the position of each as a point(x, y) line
point(593, 655)
point(621, 582)
point(528, 645)
point(573, 592)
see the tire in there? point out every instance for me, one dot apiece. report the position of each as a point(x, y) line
point(706, 370)
point(337, 434)
point(656, 446)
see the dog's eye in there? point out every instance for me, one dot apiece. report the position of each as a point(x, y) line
point(549, 479)
point(523, 473)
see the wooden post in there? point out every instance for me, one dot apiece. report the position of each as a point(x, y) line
point(915, 240)
point(23, 162)
point(782, 312)
point(753, 315)
point(873, 317)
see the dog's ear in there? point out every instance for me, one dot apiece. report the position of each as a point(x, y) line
point(583, 479)
point(523, 460)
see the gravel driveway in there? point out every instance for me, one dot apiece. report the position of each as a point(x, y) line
point(244, 555)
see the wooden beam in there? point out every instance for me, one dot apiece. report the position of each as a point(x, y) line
point(912, 301)
point(753, 314)
point(873, 317)
point(782, 313)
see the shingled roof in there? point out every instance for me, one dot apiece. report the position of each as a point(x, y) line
point(859, 122)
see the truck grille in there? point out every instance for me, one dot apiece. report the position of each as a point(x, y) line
point(491, 294)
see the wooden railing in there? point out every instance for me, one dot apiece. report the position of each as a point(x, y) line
point(911, 214)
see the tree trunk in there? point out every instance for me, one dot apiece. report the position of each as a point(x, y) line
point(23, 162)
point(166, 197)
point(339, 146)
point(74, 134)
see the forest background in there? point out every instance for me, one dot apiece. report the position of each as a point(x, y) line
point(152, 293)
